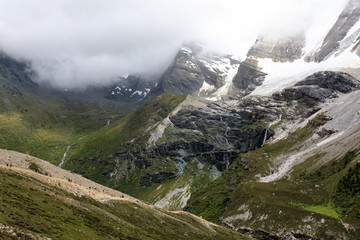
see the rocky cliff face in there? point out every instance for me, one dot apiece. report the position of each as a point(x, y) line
point(339, 37)
point(320, 86)
point(284, 166)
point(279, 49)
point(214, 138)
point(196, 70)
point(184, 75)
point(248, 77)
point(16, 83)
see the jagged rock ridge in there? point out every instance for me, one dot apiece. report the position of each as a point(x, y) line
point(193, 69)
point(332, 41)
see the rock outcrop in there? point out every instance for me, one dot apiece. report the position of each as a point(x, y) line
point(184, 75)
point(283, 49)
point(222, 131)
point(194, 68)
point(320, 86)
point(333, 40)
point(335, 81)
point(248, 77)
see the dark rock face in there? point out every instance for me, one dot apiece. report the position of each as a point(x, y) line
point(265, 235)
point(319, 87)
point(191, 69)
point(148, 179)
point(183, 76)
point(278, 49)
point(307, 94)
point(223, 132)
point(16, 81)
point(347, 19)
point(336, 81)
point(215, 137)
point(248, 77)
point(195, 146)
point(221, 160)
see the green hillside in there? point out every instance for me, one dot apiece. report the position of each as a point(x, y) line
point(31, 209)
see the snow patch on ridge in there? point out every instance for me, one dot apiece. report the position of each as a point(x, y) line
point(186, 50)
point(224, 89)
point(217, 65)
point(353, 29)
point(206, 88)
point(282, 75)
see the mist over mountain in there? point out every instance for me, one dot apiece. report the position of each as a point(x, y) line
point(74, 44)
point(179, 119)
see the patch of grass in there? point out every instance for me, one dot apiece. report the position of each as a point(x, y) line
point(325, 209)
point(35, 167)
point(200, 179)
point(210, 201)
point(327, 170)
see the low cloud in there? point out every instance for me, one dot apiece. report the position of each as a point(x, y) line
point(74, 44)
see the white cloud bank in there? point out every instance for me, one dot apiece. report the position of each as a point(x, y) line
point(76, 43)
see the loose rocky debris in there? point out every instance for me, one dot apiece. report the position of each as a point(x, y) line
point(265, 235)
point(10, 232)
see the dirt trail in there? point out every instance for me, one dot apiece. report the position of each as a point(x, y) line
point(79, 186)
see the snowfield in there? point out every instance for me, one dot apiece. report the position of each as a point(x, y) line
point(283, 75)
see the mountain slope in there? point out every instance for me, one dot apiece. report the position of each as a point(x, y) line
point(38, 122)
point(58, 209)
point(267, 144)
point(291, 182)
point(197, 71)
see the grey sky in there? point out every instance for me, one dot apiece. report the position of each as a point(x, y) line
point(75, 43)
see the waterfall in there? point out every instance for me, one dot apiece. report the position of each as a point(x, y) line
point(265, 136)
point(226, 160)
point(227, 163)
point(226, 132)
point(63, 158)
point(225, 157)
point(108, 122)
